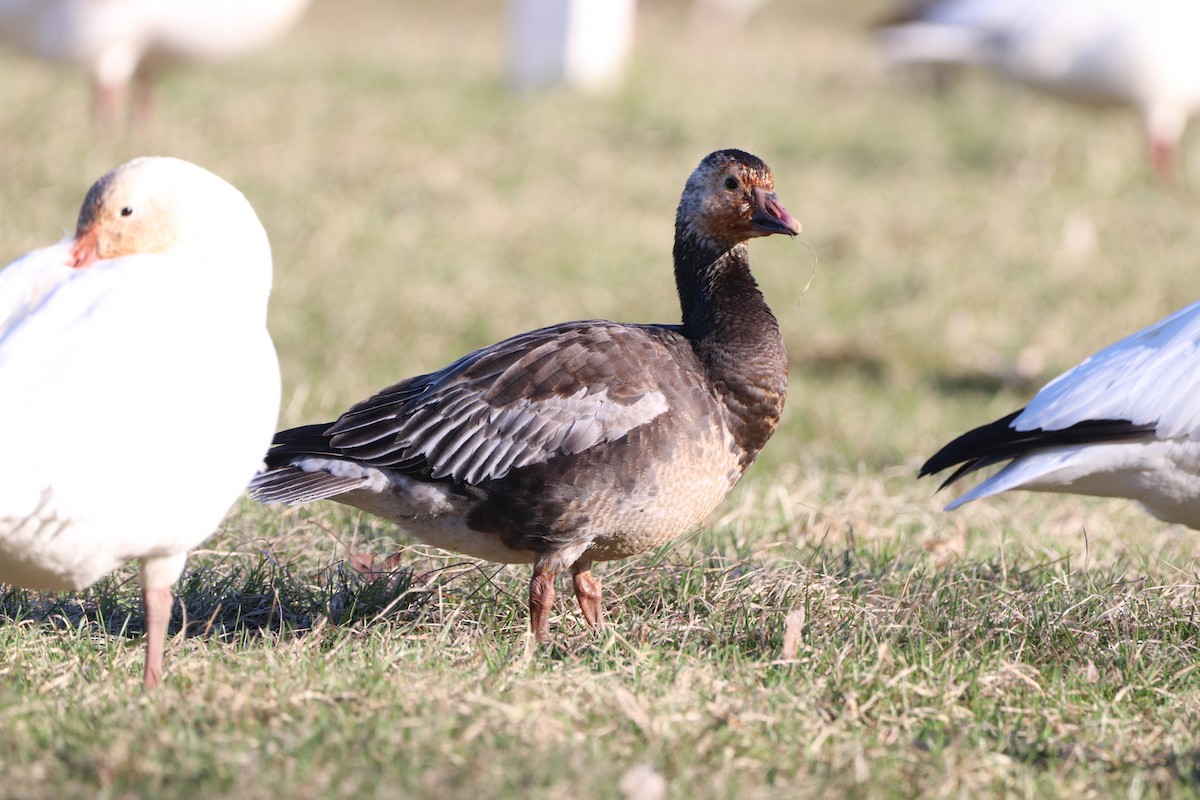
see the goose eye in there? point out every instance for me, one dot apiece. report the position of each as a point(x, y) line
point(127, 211)
point(731, 183)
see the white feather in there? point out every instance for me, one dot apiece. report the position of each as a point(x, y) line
point(1136, 53)
point(1149, 378)
point(24, 282)
point(118, 363)
point(1152, 376)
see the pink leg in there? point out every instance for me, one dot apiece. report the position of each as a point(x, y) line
point(109, 105)
point(587, 594)
point(1162, 155)
point(541, 600)
point(157, 605)
point(143, 100)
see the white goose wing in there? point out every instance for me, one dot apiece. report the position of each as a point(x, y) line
point(1150, 377)
point(111, 367)
point(1123, 423)
point(26, 281)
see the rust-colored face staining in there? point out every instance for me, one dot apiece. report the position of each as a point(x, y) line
point(123, 214)
point(731, 198)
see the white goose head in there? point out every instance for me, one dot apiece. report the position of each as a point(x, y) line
point(173, 207)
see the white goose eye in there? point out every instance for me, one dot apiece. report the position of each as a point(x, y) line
point(127, 211)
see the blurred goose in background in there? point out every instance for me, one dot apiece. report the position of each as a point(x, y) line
point(708, 17)
point(122, 42)
point(1137, 53)
point(1124, 423)
point(582, 442)
point(151, 316)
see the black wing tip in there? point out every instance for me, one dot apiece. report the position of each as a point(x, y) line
point(971, 449)
point(305, 440)
point(1000, 441)
point(966, 468)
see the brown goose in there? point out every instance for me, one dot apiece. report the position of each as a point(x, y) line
point(585, 441)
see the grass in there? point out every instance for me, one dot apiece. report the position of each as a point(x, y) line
point(829, 631)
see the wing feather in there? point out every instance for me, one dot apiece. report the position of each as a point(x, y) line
point(1150, 377)
point(27, 281)
point(553, 391)
point(1146, 386)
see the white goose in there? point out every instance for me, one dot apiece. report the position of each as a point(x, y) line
point(152, 316)
point(120, 42)
point(24, 282)
point(1136, 53)
point(1124, 423)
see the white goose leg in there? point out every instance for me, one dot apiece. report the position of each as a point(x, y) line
point(158, 576)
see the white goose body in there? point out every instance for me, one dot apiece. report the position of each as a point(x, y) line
point(101, 373)
point(1136, 53)
point(1123, 423)
point(24, 282)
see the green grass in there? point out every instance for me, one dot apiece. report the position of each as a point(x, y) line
point(967, 248)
